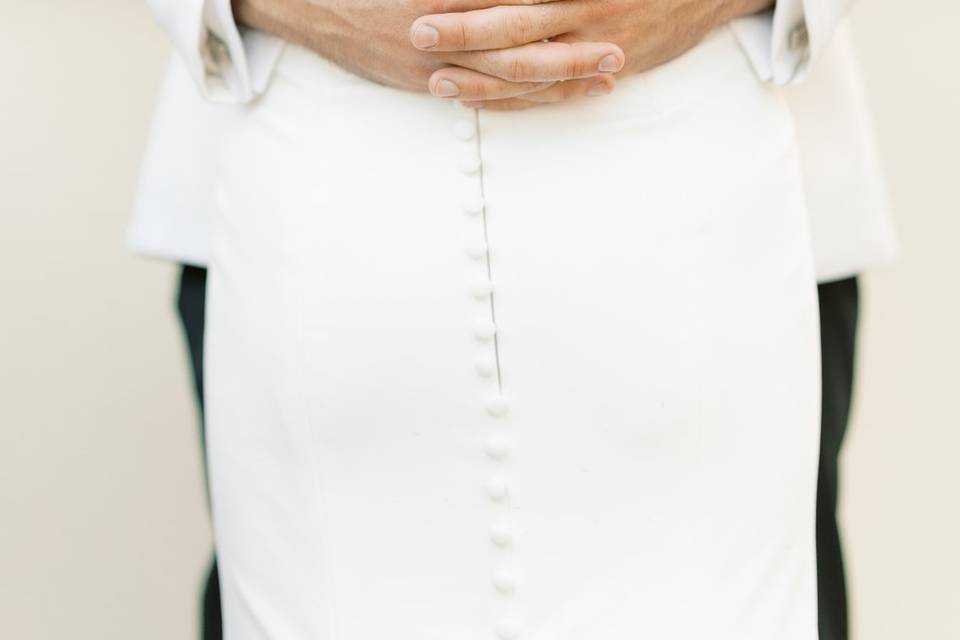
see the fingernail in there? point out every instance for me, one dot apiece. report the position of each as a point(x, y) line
point(426, 37)
point(609, 63)
point(446, 89)
point(599, 89)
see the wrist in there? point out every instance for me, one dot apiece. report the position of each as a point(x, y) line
point(294, 21)
point(264, 15)
point(732, 9)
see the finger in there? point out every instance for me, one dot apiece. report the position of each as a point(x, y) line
point(562, 91)
point(559, 92)
point(495, 28)
point(466, 84)
point(510, 104)
point(459, 6)
point(543, 61)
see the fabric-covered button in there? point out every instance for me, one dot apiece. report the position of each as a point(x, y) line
point(497, 407)
point(485, 367)
point(481, 288)
point(501, 535)
point(465, 130)
point(497, 488)
point(504, 581)
point(485, 329)
point(473, 205)
point(470, 164)
point(477, 250)
point(496, 447)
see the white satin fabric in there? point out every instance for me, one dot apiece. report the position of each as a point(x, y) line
point(547, 375)
point(850, 216)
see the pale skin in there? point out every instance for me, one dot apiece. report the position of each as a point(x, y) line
point(491, 53)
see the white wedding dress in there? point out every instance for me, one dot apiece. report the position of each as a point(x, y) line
point(542, 375)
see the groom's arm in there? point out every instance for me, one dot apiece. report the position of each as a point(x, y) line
point(785, 42)
point(369, 38)
point(227, 64)
point(233, 64)
point(782, 38)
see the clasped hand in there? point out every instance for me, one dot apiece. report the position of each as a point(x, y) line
point(499, 54)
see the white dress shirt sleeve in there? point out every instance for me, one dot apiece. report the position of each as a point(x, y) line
point(229, 64)
point(784, 42)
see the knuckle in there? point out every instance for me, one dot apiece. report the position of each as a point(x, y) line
point(597, 9)
point(522, 28)
point(516, 69)
point(481, 90)
point(427, 7)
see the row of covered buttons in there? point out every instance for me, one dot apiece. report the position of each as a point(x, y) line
point(496, 445)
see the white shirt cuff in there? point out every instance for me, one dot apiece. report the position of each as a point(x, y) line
point(237, 63)
point(777, 42)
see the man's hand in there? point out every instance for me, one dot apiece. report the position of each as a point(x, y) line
point(651, 32)
point(370, 38)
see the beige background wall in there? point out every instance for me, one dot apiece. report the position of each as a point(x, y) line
point(103, 532)
point(902, 481)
